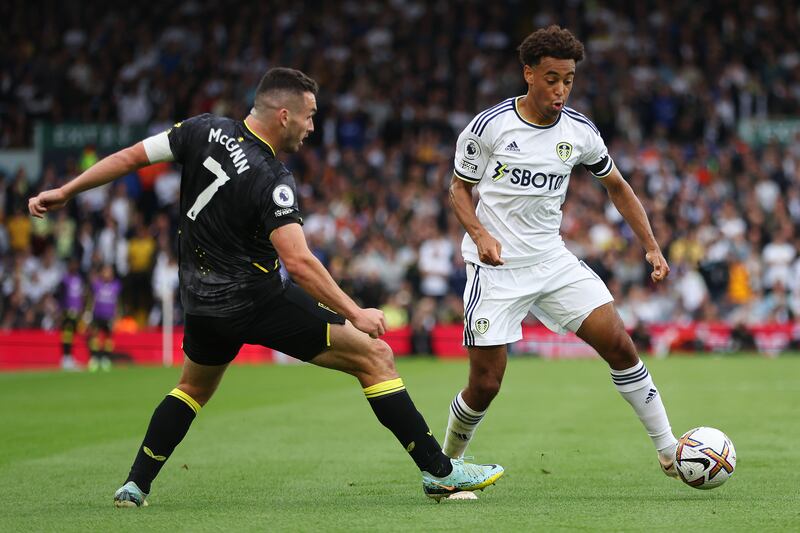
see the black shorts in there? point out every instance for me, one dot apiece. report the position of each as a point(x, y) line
point(70, 321)
point(100, 324)
point(292, 322)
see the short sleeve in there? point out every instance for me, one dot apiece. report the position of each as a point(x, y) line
point(596, 159)
point(472, 156)
point(182, 133)
point(279, 204)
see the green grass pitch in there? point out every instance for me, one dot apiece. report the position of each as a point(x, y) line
point(296, 448)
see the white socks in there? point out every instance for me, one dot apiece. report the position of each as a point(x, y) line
point(460, 426)
point(636, 386)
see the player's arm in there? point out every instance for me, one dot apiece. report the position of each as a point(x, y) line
point(290, 243)
point(631, 209)
point(104, 171)
point(489, 248)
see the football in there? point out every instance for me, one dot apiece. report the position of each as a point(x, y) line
point(705, 458)
point(463, 495)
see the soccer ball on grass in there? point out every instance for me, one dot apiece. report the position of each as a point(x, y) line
point(705, 458)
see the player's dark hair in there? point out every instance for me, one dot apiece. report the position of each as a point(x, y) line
point(552, 41)
point(286, 79)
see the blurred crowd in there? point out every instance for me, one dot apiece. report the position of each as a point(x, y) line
point(665, 82)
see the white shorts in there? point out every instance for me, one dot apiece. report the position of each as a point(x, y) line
point(560, 292)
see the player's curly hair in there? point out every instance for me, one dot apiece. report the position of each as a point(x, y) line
point(552, 41)
point(286, 79)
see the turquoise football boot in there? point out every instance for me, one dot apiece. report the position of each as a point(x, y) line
point(464, 477)
point(130, 495)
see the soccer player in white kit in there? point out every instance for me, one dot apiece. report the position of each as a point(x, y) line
point(519, 155)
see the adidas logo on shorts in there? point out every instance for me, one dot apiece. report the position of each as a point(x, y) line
point(512, 147)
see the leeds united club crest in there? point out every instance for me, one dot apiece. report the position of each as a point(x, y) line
point(564, 150)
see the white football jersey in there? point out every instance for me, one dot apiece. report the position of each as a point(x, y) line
point(522, 171)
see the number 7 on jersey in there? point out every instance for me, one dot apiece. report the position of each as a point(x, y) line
point(208, 193)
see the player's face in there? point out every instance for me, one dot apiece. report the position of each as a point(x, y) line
point(301, 122)
point(549, 85)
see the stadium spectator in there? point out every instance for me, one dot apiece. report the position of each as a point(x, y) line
point(64, 235)
point(73, 304)
point(422, 323)
point(19, 228)
point(395, 310)
point(106, 289)
point(141, 256)
point(777, 257)
point(435, 262)
point(165, 285)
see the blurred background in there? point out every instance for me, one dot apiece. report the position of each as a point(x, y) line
point(699, 105)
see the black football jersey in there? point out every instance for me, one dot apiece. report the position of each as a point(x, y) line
point(234, 193)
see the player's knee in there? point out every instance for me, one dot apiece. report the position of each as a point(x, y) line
point(199, 393)
point(487, 387)
point(382, 359)
point(375, 362)
point(620, 351)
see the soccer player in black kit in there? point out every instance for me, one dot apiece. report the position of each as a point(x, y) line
point(239, 215)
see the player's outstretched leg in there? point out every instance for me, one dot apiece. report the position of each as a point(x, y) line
point(371, 361)
point(604, 331)
point(169, 424)
point(487, 365)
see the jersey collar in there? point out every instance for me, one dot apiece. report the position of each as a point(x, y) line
point(257, 136)
point(529, 123)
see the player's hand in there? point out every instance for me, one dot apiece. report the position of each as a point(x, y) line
point(370, 321)
point(46, 201)
point(660, 266)
point(489, 250)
